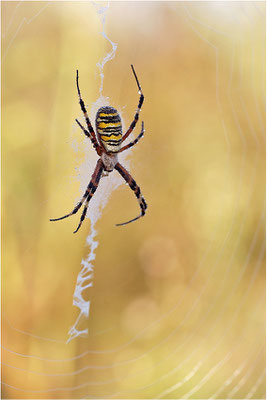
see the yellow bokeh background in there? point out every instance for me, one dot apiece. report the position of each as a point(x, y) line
point(178, 297)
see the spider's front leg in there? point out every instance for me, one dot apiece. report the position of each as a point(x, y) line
point(133, 185)
point(91, 188)
point(94, 184)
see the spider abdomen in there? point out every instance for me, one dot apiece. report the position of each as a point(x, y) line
point(109, 128)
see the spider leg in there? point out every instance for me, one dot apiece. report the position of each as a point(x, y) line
point(141, 100)
point(133, 185)
point(95, 178)
point(94, 142)
point(134, 141)
point(84, 210)
point(93, 186)
point(90, 128)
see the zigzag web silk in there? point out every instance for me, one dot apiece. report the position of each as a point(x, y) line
point(237, 378)
point(98, 202)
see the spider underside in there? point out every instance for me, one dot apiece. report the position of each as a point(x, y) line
point(107, 144)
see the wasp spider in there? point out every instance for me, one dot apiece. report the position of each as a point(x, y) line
point(107, 144)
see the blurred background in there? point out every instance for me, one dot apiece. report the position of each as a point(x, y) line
point(178, 297)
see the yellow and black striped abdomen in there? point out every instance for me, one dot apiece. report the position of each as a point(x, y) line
point(109, 129)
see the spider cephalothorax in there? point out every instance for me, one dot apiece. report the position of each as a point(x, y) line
point(108, 145)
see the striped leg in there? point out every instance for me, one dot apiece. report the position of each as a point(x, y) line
point(133, 185)
point(91, 187)
point(90, 128)
point(95, 144)
point(134, 141)
point(141, 100)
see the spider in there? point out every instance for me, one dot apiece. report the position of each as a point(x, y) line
point(107, 145)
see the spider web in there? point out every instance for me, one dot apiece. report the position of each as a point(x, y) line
point(199, 364)
point(85, 277)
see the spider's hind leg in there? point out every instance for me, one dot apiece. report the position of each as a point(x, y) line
point(141, 100)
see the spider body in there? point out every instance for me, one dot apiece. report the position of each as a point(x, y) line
point(109, 128)
point(109, 160)
point(107, 144)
